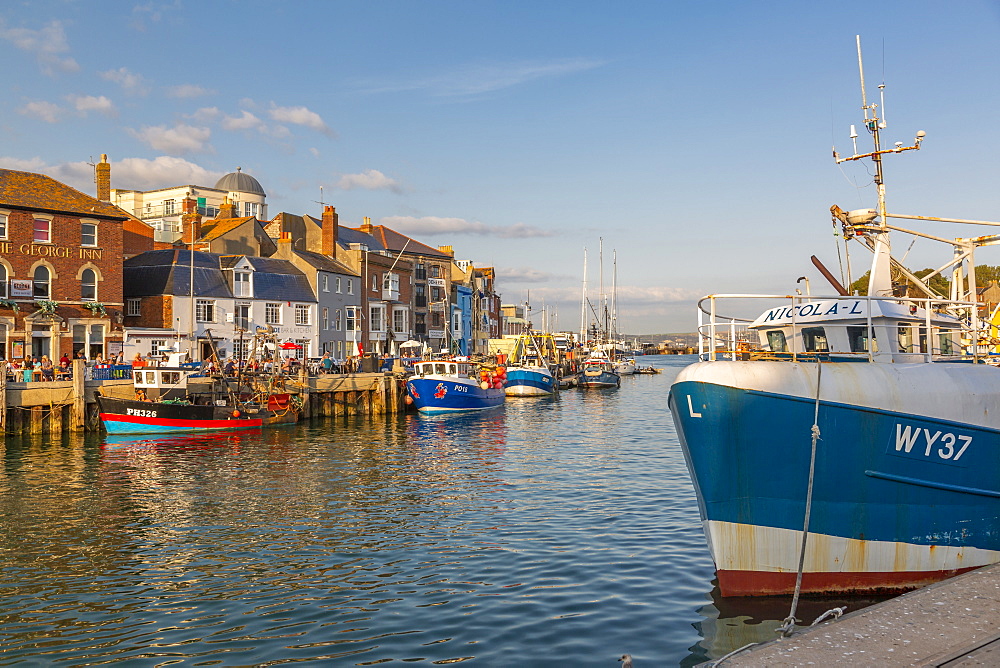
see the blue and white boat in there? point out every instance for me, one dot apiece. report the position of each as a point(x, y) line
point(530, 375)
point(599, 371)
point(443, 386)
point(861, 433)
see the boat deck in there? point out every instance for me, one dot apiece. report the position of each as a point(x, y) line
point(949, 623)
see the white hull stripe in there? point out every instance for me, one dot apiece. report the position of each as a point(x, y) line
point(743, 547)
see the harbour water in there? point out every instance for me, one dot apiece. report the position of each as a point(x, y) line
point(548, 532)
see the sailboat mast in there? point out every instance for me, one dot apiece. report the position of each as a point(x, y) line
point(601, 296)
point(583, 302)
point(614, 294)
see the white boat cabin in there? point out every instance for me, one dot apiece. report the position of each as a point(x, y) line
point(857, 329)
point(445, 368)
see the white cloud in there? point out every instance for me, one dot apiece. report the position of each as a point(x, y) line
point(43, 111)
point(435, 226)
point(314, 151)
point(85, 103)
point(48, 44)
point(161, 172)
point(246, 121)
point(299, 116)
point(178, 139)
point(653, 294)
point(484, 78)
point(205, 114)
point(128, 173)
point(188, 91)
point(131, 82)
point(21, 165)
point(526, 275)
point(370, 179)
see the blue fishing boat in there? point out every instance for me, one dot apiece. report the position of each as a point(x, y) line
point(847, 443)
point(599, 371)
point(530, 375)
point(443, 386)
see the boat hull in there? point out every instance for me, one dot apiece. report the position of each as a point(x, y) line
point(523, 382)
point(443, 394)
point(599, 379)
point(906, 487)
point(127, 416)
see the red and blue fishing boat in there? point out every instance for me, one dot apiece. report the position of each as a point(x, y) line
point(445, 386)
point(177, 398)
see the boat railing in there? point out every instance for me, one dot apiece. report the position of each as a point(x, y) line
point(730, 336)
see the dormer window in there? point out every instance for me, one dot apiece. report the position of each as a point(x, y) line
point(241, 284)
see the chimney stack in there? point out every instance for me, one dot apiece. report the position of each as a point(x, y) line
point(366, 226)
point(227, 209)
point(191, 227)
point(102, 171)
point(331, 225)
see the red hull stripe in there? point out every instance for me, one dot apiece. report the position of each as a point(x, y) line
point(757, 583)
point(190, 424)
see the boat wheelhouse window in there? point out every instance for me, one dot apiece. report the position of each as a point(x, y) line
point(776, 340)
point(440, 368)
point(452, 369)
point(171, 377)
point(138, 377)
point(150, 378)
point(859, 339)
point(905, 339)
point(814, 340)
point(947, 344)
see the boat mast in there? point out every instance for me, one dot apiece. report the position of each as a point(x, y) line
point(602, 298)
point(583, 302)
point(880, 279)
point(614, 296)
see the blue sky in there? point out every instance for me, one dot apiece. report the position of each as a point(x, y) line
point(694, 137)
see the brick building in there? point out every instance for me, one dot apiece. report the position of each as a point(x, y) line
point(60, 269)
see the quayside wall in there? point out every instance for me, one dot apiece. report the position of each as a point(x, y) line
point(51, 407)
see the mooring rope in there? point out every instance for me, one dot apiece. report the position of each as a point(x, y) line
point(788, 625)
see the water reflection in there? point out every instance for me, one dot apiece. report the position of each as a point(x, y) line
point(562, 528)
point(732, 622)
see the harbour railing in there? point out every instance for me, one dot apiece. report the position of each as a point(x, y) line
point(911, 329)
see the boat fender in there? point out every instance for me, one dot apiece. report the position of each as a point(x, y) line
point(408, 400)
point(236, 414)
point(484, 385)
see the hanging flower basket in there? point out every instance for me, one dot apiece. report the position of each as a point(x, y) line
point(46, 306)
point(11, 304)
point(95, 307)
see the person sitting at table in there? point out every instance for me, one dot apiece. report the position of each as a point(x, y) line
point(29, 368)
point(64, 361)
point(138, 362)
point(48, 372)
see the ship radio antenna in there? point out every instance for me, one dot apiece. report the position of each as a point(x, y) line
point(861, 71)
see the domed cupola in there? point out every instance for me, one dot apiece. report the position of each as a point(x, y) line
point(239, 181)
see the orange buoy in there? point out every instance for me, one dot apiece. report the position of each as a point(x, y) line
point(408, 400)
point(236, 414)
